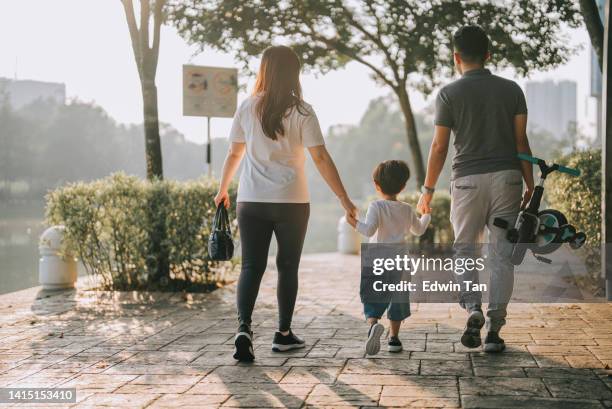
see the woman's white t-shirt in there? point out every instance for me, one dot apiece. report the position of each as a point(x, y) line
point(274, 169)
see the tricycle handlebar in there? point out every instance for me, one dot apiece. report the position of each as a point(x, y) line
point(569, 171)
point(542, 164)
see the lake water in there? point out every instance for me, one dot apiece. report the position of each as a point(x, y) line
point(20, 227)
point(22, 224)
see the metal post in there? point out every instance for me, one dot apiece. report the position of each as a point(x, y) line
point(606, 152)
point(208, 147)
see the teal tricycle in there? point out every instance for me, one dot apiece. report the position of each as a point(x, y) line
point(541, 231)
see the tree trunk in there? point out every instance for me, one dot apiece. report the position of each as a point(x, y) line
point(146, 63)
point(412, 136)
point(158, 265)
point(151, 128)
point(594, 26)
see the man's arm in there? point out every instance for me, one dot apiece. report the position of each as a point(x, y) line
point(522, 146)
point(435, 163)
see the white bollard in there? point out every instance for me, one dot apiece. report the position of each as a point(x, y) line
point(349, 241)
point(55, 270)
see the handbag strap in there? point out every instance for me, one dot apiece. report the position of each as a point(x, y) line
point(227, 222)
point(221, 220)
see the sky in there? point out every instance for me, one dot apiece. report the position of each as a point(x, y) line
point(85, 44)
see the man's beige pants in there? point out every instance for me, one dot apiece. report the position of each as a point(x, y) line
point(476, 200)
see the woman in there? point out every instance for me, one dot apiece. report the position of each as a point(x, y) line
point(273, 126)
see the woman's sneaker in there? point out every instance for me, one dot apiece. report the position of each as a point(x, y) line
point(282, 343)
point(372, 345)
point(471, 335)
point(243, 343)
point(493, 343)
point(395, 345)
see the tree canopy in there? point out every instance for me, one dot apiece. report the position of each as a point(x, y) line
point(394, 38)
point(406, 44)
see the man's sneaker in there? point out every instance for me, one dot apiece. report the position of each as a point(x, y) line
point(372, 345)
point(395, 345)
point(471, 335)
point(282, 343)
point(493, 343)
point(243, 343)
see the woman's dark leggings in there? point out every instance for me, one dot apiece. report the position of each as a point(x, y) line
point(256, 222)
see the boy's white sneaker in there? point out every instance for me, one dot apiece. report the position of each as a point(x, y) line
point(372, 345)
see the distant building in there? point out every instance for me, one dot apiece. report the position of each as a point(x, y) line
point(552, 107)
point(19, 93)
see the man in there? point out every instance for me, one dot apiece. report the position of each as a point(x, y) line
point(488, 117)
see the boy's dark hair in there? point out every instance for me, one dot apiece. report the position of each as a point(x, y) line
point(472, 44)
point(391, 176)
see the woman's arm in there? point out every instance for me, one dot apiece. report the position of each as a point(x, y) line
point(232, 161)
point(326, 167)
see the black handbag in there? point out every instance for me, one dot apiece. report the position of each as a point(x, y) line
point(220, 242)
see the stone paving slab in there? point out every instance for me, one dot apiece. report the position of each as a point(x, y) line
point(163, 350)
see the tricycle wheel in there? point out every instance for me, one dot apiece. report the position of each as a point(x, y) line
point(578, 240)
point(549, 242)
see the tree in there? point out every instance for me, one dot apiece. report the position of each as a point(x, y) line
point(406, 44)
point(146, 56)
point(595, 28)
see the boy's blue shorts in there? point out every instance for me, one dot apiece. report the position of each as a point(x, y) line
point(374, 305)
point(395, 311)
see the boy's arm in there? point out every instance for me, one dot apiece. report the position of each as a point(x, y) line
point(418, 226)
point(370, 225)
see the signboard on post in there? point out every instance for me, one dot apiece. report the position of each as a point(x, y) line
point(209, 92)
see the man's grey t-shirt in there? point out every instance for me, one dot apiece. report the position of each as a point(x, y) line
point(480, 108)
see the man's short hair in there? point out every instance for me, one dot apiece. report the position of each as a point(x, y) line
point(472, 44)
point(391, 176)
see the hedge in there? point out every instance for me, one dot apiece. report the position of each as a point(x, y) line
point(134, 234)
point(579, 198)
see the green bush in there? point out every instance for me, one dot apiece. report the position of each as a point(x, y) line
point(579, 198)
point(122, 227)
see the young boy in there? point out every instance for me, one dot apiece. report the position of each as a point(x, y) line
point(388, 220)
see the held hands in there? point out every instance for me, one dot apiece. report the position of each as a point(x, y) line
point(352, 220)
point(222, 197)
point(423, 204)
point(350, 209)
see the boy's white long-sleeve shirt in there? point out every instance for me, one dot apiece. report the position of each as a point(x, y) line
point(389, 221)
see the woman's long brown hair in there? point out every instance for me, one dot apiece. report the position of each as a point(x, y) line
point(278, 85)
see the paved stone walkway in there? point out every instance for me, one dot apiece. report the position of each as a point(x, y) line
point(134, 350)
